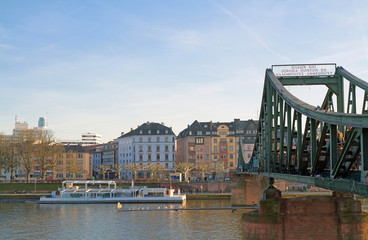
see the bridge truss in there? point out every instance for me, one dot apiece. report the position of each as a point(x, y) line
point(325, 146)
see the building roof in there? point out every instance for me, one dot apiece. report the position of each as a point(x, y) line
point(236, 128)
point(75, 148)
point(149, 128)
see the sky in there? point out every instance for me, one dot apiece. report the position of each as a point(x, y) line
point(108, 66)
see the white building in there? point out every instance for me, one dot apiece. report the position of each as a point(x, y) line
point(149, 143)
point(88, 139)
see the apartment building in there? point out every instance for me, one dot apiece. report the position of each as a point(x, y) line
point(216, 144)
point(148, 143)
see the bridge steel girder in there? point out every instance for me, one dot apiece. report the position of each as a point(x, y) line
point(314, 156)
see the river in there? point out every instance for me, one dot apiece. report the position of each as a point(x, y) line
point(104, 221)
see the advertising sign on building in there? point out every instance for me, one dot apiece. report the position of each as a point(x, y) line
point(304, 70)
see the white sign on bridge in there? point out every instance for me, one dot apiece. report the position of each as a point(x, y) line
point(304, 70)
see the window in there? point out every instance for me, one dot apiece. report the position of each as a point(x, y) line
point(158, 157)
point(231, 148)
point(231, 156)
point(149, 131)
point(141, 148)
point(215, 157)
point(215, 140)
point(231, 140)
point(231, 164)
point(166, 139)
point(140, 131)
point(215, 149)
point(149, 157)
point(223, 156)
point(166, 148)
point(157, 148)
point(222, 140)
point(140, 157)
point(199, 132)
point(158, 139)
point(140, 139)
point(248, 147)
point(166, 165)
point(69, 155)
point(207, 156)
point(166, 131)
point(149, 148)
point(166, 157)
point(158, 131)
point(79, 155)
point(199, 140)
point(149, 139)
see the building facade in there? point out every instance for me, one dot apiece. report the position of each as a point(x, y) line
point(216, 144)
point(74, 163)
point(148, 143)
point(88, 139)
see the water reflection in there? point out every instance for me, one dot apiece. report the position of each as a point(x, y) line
point(104, 221)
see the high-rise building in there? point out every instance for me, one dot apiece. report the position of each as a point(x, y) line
point(149, 143)
point(42, 123)
point(216, 144)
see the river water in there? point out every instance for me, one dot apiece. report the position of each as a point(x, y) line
point(104, 221)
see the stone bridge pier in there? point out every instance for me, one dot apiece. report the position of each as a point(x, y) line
point(249, 190)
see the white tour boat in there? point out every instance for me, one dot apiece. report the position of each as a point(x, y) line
point(91, 191)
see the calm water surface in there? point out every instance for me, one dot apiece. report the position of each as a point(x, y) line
point(104, 221)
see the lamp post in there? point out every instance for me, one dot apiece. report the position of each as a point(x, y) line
point(35, 183)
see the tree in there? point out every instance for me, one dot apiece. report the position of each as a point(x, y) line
point(102, 169)
point(134, 168)
point(118, 168)
point(220, 168)
point(25, 142)
point(185, 168)
point(154, 168)
point(46, 152)
point(9, 158)
point(203, 169)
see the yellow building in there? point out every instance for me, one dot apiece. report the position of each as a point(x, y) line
point(74, 163)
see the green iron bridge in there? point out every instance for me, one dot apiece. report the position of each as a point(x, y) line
point(324, 146)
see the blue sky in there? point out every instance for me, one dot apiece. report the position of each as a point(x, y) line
point(108, 66)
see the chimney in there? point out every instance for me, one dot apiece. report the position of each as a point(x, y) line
point(131, 129)
point(162, 123)
point(122, 133)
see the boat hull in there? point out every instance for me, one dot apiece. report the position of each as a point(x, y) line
point(113, 200)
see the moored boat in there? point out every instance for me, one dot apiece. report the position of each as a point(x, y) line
point(105, 191)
